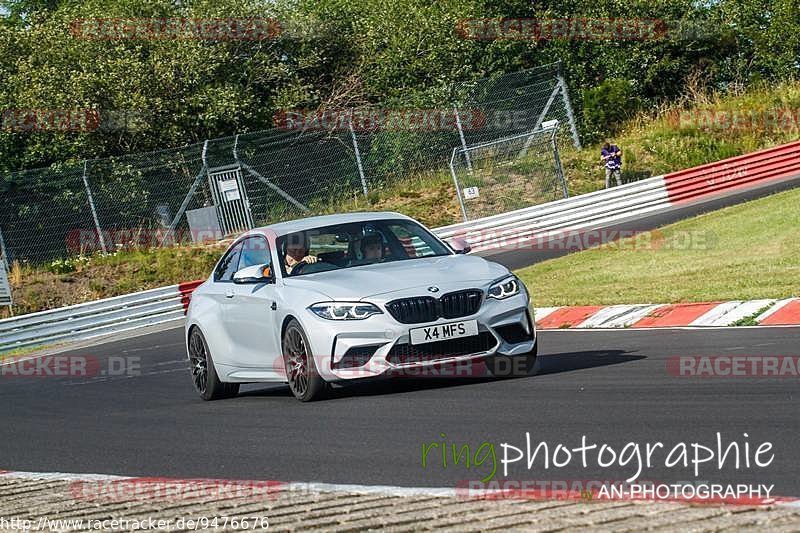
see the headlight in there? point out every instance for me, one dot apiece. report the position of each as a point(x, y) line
point(505, 288)
point(344, 310)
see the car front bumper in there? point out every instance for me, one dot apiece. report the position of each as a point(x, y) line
point(380, 345)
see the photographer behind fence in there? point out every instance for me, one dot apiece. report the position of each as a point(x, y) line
point(611, 155)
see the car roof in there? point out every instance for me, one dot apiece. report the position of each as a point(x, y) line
point(304, 224)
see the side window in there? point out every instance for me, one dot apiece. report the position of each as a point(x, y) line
point(227, 267)
point(255, 251)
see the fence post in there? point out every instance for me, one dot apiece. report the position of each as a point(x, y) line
point(461, 136)
point(358, 158)
point(557, 159)
point(94, 211)
point(245, 197)
point(542, 115)
point(457, 184)
point(4, 264)
point(4, 252)
point(170, 234)
point(568, 106)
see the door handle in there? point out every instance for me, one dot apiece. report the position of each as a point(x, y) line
point(229, 293)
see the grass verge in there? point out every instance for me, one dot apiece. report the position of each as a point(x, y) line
point(747, 251)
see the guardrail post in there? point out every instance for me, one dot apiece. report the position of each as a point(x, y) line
point(94, 211)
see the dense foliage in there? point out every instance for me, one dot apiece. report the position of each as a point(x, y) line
point(345, 53)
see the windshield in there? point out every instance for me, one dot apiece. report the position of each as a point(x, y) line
point(356, 244)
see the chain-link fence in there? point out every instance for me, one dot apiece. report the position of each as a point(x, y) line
point(301, 167)
point(502, 175)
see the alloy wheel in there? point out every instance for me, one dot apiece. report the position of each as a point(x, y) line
point(198, 358)
point(296, 360)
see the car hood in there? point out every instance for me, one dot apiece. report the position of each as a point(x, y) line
point(449, 272)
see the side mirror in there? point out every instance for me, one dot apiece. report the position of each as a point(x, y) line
point(254, 274)
point(459, 245)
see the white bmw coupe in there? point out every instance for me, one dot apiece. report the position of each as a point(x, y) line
point(343, 297)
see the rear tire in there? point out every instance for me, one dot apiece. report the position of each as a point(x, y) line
point(513, 366)
point(301, 371)
point(204, 375)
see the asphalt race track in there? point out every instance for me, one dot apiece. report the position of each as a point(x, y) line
point(612, 386)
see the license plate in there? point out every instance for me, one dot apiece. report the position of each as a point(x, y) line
point(443, 332)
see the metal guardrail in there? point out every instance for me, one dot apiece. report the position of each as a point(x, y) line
point(579, 213)
point(633, 200)
point(96, 319)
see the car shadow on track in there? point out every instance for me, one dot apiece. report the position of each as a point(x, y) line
point(548, 364)
point(556, 363)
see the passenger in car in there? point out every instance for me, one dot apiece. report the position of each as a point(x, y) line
point(372, 247)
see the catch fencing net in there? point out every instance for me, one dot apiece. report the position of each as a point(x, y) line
point(305, 165)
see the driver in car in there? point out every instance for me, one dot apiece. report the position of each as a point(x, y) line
point(297, 251)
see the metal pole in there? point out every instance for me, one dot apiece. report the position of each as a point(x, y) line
point(170, 234)
point(458, 188)
point(245, 196)
point(94, 211)
point(274, 187)
point(4, 252)
point(5, 265)
point(570, 115)
point(559, 169)
point(539, 120)
point(463, 140)
point(358, 158)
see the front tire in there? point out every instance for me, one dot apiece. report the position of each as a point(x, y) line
point(301, 371)
point(204, 375)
